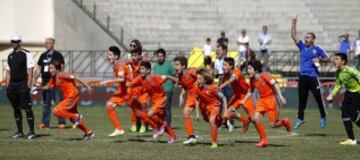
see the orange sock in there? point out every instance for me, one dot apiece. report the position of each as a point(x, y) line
point(244, 119)
point(85, 129)
point(111, 112)
point(260, 128)
point(279, 124)
point(188, 125)
point(213, 132)
point(160, 122)
point(146, 119)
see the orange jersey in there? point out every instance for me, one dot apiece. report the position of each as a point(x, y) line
point(134, 73)
point(135, 67)
point(208, 95)
point(121, 69)
point(239, 86)
point(66, 83)
point(152, 84)
point(187, 79)
point(262, 84)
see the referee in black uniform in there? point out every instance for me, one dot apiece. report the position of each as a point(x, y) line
point(18, 80)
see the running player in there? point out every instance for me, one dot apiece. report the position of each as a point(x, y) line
point(210, 97)
point(119, 97)
point(152, 84)
point(267, 103)
point(186, 78)
point(67, 108)
point(350, 78)
point(142, 97)
point(233, 77)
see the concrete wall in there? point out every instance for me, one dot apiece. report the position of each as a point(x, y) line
point(74, 30)
point(32, 19)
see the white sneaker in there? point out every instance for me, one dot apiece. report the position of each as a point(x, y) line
point(190, 141)
point(348, 142)
point(117, 132)
point(230, 126)
point(155, 136)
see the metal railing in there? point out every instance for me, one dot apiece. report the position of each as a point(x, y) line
point(93, 64)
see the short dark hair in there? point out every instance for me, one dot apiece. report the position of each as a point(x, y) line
point(146, 64)
point(57, 64)
point(222, 33)
point(160, 50)
point(312, 34)
point(223, 46)
point(256, 64)
point(342, 56)
point(182, 60)
point(230, 61)
point(115, 50)
point(208, 39)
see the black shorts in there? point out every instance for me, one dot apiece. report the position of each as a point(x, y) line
point(18, 94)
point(350, 106)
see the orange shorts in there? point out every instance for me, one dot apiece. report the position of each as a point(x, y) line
point(69, 104)
point(268, 105)
point(208, 111)
point(248, 106)
point(119, 100)
point(136, 94)
point(158, 106)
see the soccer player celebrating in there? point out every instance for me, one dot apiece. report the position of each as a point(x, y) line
point(233, 77)
point(141, 97)
point(209, 97)
point(310, 55)
point(350, 78)
point(152, 84)
point(119, 97)
point(186, 78)
point(67, 108)
point(267, 103)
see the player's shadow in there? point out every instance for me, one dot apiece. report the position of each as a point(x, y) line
point(4, 130)
point(143, 136)
point(205, 144)
point(254, 142)
point(66, 127)
point(315, 135)
point(42, 135)
point(146, 141)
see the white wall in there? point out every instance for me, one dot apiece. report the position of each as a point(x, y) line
point(32, 19)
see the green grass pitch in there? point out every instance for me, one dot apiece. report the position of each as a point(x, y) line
point(311, 143)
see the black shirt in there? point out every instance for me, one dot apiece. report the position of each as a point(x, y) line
point(223, 40)
point(18, 63)
point(45, 60)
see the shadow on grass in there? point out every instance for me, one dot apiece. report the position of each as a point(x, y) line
point(143, 136)
point(254, 142)
point(66, 127)
point(42, 135)
point(4, 130)
point(146, 141)
point(315, 135)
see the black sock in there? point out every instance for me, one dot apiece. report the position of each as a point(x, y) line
point(30, 119)
point(18, 120)
point(349, 130)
